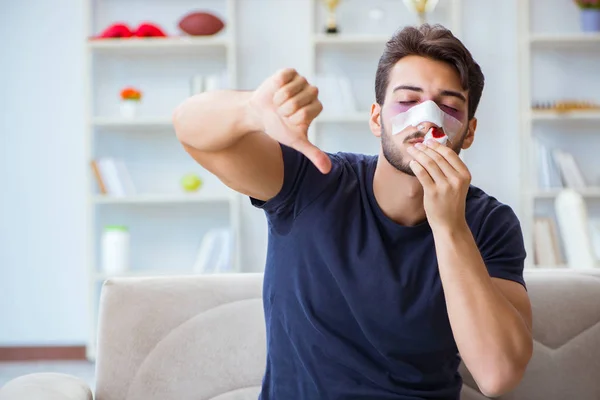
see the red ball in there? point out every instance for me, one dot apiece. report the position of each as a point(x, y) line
point(201, 24)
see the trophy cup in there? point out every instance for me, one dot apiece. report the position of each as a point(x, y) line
point(331, 5)
point(421, 7)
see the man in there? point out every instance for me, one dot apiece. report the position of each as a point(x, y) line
point(380, 270)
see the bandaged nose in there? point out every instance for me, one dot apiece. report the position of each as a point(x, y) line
point(426, 115)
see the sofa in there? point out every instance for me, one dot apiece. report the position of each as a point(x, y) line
point(203, 337)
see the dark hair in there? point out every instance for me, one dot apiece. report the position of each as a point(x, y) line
point(437, 43)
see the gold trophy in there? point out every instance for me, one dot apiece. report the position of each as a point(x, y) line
point(421, 7)
point(331, 20)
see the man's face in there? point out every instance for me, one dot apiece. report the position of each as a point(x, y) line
point(412, 81)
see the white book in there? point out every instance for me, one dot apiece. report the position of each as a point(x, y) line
point(544, 172)
point(214, 254)
point(568, 172)
point(125, 178)
point(575, 172)
point(549, 172)
point(108, 169)
point(544, 244)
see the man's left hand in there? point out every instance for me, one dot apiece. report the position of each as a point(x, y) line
point(445, 179)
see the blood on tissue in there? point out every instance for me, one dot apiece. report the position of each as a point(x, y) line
point(437, 134)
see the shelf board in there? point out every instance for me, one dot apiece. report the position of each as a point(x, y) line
point(354, 117)
point(162, 199)
point(101, 276)
point(323, 39)
point(591, 115)
point(562, 269)
point(134, 123)
point(568, 39)
point(591, 192)
point(181, 44)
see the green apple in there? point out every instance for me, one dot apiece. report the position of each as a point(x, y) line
point(191, 182)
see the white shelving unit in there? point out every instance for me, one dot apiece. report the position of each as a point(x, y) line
point(534, 41)
point(355, 51)
point(127, 57)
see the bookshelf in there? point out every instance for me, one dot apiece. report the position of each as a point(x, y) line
point(349, 60)
point(556, 64)
point(167, 224)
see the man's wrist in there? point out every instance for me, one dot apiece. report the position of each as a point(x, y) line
point(451, 231)
point(252, 117)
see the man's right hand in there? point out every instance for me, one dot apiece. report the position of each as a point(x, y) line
point(286, 104)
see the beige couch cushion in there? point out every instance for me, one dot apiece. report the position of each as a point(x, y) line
point(566, 331)
point(46, 386)
point(181, 338)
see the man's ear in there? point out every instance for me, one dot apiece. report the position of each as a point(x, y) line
point(375, 120)
point(470, 135)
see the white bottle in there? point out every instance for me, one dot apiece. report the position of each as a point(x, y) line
point(115, 250)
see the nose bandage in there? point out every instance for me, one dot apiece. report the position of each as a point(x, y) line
point(428, 111)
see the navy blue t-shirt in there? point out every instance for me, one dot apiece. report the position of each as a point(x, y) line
point(353, 301)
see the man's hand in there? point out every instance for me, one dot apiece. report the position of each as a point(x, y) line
point(286, 104)
point(445, 179)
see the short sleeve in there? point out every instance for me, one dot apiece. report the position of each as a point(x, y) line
point(294, 170)
point(302, 184)
point(501, 244)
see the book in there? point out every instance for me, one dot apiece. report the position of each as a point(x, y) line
point(549, 174)
point(214, 253)
point(114, 176)
point(98, 176)
point(569, 170)
point(546, 245)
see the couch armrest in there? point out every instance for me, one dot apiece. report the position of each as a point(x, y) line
point(46, 386)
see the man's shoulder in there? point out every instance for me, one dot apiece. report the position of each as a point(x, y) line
point(353, 160)
point(483, 208)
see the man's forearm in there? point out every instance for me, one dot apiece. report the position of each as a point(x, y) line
point(492, 337)
point(213, 121)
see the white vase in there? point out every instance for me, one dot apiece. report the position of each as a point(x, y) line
point(129, 108)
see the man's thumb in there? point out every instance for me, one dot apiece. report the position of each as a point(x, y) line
point(314, 154)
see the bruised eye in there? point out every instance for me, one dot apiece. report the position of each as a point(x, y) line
point(449, 108)
point(407, 103)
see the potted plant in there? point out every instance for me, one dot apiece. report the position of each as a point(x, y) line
point(590, 15)
point(130, 100)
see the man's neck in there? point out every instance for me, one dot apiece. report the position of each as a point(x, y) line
point(399, 195)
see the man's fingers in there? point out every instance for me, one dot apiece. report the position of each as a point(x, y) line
point(296, 103)
point(289, 90)
point(421, 174)
point(314, 154)
point(451, 157)
point(429, 164)
point(447, 168)
point(307, 114)
point(284, 76)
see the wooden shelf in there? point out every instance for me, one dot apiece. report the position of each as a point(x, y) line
point(591, 115)
point(162, 199)
point(181, 44)
point(354, 117)
point(567, 39)
point(133, 124)
point(323, 39)
point(591, 192)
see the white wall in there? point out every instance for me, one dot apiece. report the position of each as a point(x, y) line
point(42, 279)
point(42, 282)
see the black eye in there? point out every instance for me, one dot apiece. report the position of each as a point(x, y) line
point(406, 103)
point(449, 108)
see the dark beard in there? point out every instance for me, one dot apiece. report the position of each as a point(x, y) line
point(393, 155)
